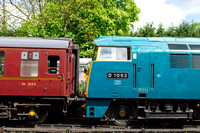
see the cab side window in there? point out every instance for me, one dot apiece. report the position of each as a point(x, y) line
point(2, 57)
point(53, 64)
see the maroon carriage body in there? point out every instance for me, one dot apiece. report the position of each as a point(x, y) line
point(37, 67)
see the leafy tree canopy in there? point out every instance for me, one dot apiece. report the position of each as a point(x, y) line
point(185, 29)
point(84, 20)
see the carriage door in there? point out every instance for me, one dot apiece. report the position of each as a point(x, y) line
point(53, 73)
point(143, 72)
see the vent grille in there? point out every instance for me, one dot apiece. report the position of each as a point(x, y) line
point(180, 61)
point(177, 46)
point(196, 61)
point(194, 47)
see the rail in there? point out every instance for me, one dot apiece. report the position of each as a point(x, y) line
point(97, 128)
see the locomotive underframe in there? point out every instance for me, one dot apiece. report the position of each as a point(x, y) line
point(123, 111)
point(134, 109)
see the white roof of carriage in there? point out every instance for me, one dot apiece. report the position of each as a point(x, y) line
point(30, 42)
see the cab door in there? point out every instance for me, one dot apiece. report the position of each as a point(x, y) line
point(143, 72)
point(54, 73)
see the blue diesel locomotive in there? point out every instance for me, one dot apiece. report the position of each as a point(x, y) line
point(144, 78)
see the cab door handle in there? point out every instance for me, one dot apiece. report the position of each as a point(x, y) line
point(139, 69)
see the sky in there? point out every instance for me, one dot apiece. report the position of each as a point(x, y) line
point(167, 12)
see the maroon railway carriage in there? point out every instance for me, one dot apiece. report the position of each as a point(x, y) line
point(37, 76)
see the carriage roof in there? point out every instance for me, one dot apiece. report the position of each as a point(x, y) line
point(30, 42)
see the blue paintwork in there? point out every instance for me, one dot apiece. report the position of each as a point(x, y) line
point(169, 83)
point(100, 107)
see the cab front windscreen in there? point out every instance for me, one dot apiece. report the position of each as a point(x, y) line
point(114, 54)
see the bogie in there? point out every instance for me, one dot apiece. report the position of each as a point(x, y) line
point(122, 112)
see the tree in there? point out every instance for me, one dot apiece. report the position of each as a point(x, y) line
point(147, 31)
point(171, 31)
point(14, 12)
point(3, 17)
point(196, 29)
point(160, 30)
point(4, 25)
point(185, 29)
point(84, 20)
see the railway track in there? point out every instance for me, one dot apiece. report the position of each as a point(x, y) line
point(97, 128)
point(83, 125)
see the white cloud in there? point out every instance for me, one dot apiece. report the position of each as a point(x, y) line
point(190, 7)
point(158, 11)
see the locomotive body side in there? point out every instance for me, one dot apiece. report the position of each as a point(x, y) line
point(158, 80)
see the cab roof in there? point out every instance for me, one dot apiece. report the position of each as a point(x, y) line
point(30, 42)
point(159, 42)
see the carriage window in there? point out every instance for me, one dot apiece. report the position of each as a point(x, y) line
point(114, 53)
point(29, 68)
point(53, 64)
point(2, 57)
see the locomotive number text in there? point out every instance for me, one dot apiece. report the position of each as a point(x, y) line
point(112, 75)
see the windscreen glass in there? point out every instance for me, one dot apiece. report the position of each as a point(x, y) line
point(114, 53)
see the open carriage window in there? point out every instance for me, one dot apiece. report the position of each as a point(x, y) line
point(2, 57)
point(53, 64)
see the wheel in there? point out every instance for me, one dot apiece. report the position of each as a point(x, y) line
point(121, 113)
point(39, 117)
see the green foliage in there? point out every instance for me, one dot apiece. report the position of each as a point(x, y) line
point(185, 29)
point(160, 31)
point(82, 86)
point(147, 31)
point(171, 31)
point(84, 20)
point(5, 32)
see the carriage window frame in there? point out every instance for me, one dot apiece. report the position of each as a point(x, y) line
point(57, 67)
point(28, 57)
point(114, 50)
point(2, 62)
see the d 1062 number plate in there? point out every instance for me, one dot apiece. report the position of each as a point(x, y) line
point(112, 75)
